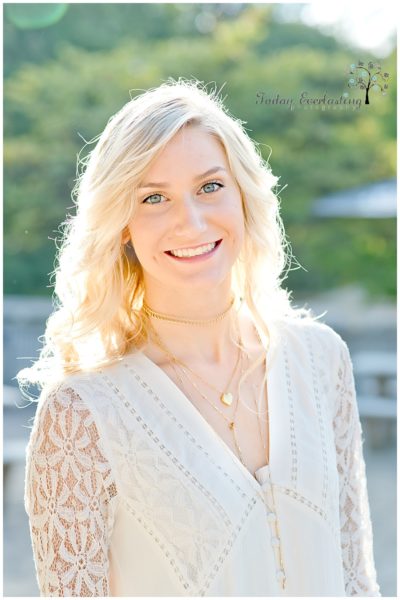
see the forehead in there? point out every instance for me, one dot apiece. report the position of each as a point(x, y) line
point(191, 143)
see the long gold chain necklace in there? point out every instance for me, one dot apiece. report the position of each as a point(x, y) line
point(226, 395)
point(229, 420)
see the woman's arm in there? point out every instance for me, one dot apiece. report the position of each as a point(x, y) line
point(356, 530)
point(68, 498)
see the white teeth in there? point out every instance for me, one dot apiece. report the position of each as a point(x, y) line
point(194, 252)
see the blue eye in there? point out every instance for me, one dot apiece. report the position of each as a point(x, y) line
point(149, 201)
point(149, 197)
point(213, 183)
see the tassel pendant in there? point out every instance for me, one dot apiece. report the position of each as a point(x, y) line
point(227, 398)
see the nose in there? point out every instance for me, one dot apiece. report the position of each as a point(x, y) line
point(189, 218)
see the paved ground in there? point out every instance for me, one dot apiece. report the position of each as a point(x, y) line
point(19, 576)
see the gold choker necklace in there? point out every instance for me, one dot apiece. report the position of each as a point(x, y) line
point(152, 313)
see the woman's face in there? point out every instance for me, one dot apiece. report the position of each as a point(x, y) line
point(188, 201)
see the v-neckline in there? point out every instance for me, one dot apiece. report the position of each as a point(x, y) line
point(262, 471)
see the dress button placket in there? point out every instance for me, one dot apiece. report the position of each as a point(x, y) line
point(272, 519)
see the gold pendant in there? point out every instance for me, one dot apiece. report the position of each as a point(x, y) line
point(227, 398)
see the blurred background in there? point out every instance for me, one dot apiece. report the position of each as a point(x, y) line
point(69, 67)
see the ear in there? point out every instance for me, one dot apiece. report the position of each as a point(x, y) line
point(126, 236)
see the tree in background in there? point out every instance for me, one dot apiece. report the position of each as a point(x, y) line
point(54, 104)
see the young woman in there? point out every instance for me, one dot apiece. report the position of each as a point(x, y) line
point(196, 434)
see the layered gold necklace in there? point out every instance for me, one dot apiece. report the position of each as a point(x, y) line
point(226, 397)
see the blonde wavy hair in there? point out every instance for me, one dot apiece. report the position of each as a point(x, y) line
point(98, 280)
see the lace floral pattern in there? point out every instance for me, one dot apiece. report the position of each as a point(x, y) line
point(68, 498)
point(355, 522)
point(71, 494)
point(191, 527)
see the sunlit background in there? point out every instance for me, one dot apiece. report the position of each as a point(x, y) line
point(69, 67)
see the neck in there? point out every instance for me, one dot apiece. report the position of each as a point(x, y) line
point(208, 340)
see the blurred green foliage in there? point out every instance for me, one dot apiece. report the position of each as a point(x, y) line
point(65, 81)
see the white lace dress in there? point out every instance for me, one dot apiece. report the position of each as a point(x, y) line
point(130, 492)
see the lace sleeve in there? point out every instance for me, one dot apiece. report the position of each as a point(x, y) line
point(68, 497)
point(355, 522)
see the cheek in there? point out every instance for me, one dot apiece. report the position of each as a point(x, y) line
point(236, 219)
point(146, 243)
point(142, 234)
point(240, 223)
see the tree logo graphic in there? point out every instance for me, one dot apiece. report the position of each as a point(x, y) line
point(368, 78)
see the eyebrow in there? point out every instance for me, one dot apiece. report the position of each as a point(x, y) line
point(165, 184)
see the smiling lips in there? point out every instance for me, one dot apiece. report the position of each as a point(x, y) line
point(196, 251)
